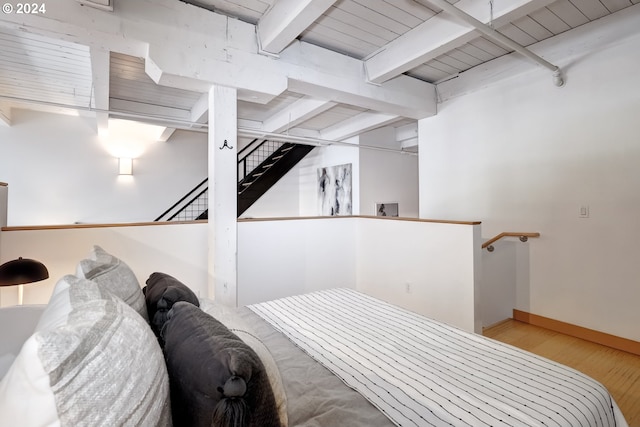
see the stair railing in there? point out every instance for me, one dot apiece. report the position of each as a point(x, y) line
point(189, 207)
point(523, 238)
point(194, 205)
point(254, 154)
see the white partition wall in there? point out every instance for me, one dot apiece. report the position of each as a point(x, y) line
point(431, 268)
point(426, 267)
point(176, 249)
point(277, 258)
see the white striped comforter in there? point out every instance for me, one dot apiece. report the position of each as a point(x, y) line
point(420, 372)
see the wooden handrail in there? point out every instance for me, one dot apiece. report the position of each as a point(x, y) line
point(523, 237)
point(382, 218)
point(97, 225)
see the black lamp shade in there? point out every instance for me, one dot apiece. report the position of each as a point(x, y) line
point(22, 270)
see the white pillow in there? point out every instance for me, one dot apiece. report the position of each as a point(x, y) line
point(6, 360)
point(116, 276)
point(17, 323)
point(92, 362)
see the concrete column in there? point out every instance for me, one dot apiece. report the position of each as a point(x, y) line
point(223, 195)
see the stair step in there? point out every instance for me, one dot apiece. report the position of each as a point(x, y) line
point(268, 166)
point(246, 184)
point(288, 148)
point(278, 157)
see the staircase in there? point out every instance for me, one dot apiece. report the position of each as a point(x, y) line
point(261, 164)
point(263, 177)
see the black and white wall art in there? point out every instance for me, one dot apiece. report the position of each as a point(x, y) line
point(334, 190)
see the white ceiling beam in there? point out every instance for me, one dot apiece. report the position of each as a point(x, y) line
point(100, 69)
point(286, 20)
point(356, 125)
point(440, 34)
point(166, 134)
point(407, 135)
point(200, 110)
point(199, 114)
point(5, 116)
point(298, 112)
point(565, 49)
point(229, 57)
point(249, 124)
point(157, 111)
point(324, 74)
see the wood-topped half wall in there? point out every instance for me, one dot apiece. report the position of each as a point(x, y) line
point(142, 224)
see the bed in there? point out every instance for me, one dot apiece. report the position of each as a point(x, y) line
point(349, 359)
point(106, 352)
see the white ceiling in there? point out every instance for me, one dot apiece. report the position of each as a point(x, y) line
point(40, 69)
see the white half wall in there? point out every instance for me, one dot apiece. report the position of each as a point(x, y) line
point(291, 257)
point(525, 155)
point(440, 262)
point(176, 249)
point(430, 268)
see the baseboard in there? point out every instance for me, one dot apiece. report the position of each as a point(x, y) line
point(597, 337)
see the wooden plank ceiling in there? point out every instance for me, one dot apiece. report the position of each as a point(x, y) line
point(37, 71)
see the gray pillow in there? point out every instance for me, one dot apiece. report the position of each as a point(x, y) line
point(115, 276)
point(93, 363)
point(215, 378)
point(161, 292)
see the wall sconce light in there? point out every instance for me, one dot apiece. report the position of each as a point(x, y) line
point(125, 166)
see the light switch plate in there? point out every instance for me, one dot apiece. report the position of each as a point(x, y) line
point(584, 211)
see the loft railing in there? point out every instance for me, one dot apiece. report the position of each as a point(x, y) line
point(522, 236)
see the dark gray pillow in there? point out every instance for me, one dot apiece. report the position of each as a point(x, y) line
point(214, 377)
point(161, 292)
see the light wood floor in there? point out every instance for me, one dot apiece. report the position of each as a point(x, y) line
point(619, 371)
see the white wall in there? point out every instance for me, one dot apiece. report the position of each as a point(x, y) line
point(524, 155)
point(378, 176)
point(387, 177)
point(296, 194)
point(176, 249)
point(60, 172)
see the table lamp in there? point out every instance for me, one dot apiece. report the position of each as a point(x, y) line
point(21, 271)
